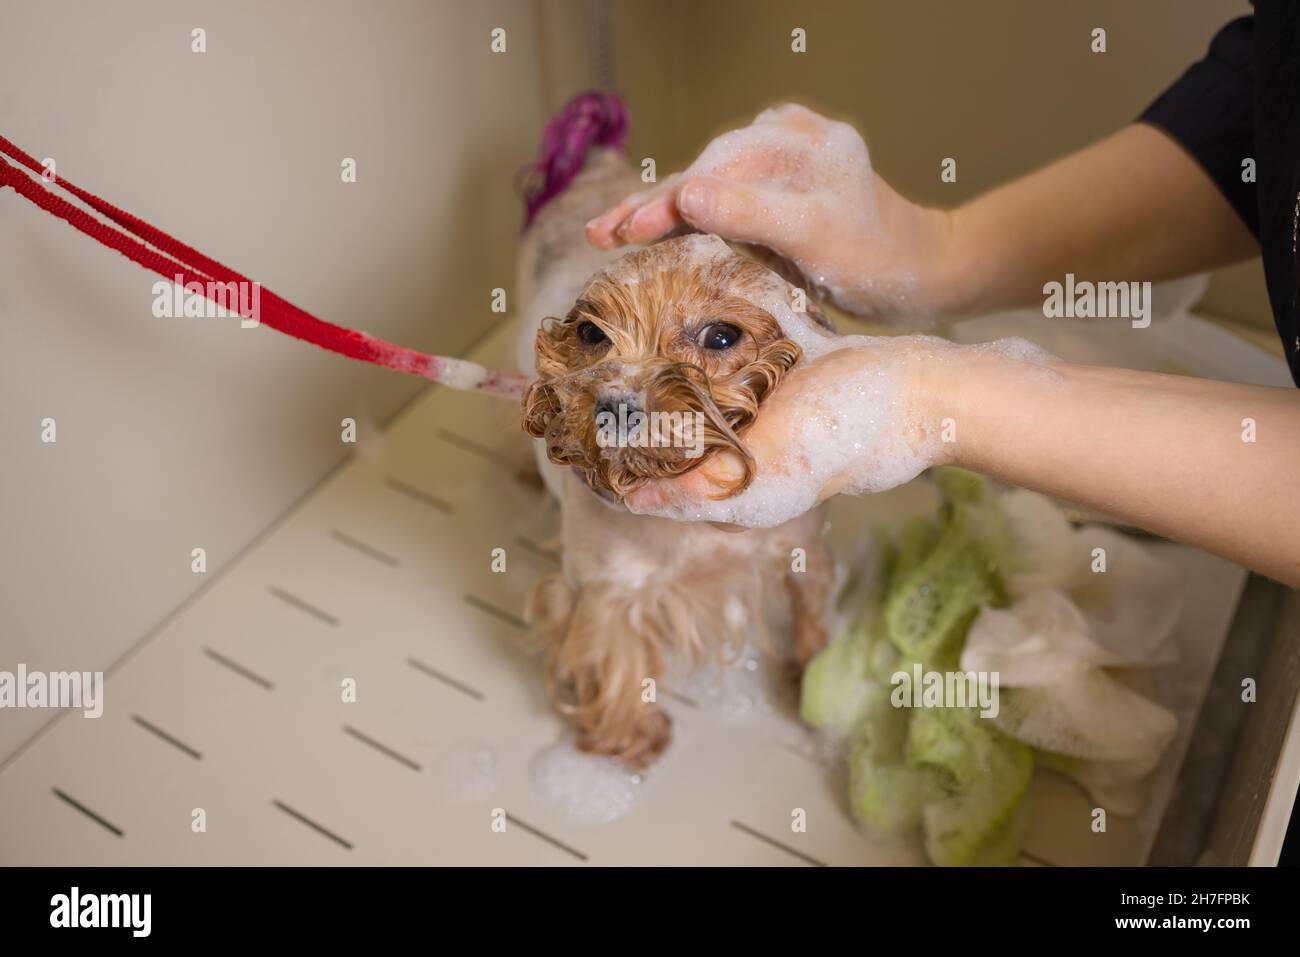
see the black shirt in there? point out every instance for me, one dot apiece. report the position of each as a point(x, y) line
point(1242, 102)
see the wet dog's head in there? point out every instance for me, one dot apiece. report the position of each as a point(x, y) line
point(661, 362)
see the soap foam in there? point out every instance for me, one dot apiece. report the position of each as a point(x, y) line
point(587, 786)
point(756, 684)
point(805, 167)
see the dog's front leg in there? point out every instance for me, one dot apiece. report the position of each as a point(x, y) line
point(611, 701)
point(604, 664)
point(636, 738)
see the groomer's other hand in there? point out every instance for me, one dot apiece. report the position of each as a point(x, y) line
point(802, 185)
point(860, 418)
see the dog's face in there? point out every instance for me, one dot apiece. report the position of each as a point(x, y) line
point(662, 361)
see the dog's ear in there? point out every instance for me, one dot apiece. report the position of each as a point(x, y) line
point(550, 349)
point(540, 403)
point(540, 406)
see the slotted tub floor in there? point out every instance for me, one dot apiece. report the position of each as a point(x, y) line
point(383, 576)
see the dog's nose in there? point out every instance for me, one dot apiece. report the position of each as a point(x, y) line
point(609, 403)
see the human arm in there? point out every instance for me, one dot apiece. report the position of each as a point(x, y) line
point(1211, 464)
point(1134, 206)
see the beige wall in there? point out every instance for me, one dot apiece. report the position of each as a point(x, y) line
point(1002, 86)
point(181, 433)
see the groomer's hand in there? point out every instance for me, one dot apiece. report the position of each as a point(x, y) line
point(803, 186)
point(1162, 452)
point(862, 418)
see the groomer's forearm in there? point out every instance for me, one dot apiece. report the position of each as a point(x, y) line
point(1133, 206)
point(1212, 464)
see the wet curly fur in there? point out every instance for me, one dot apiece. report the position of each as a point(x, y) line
point(653, 315)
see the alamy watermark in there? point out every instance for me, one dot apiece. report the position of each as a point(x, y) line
point(651, 430)
point(208, 300)
point(130, 911)
point(946, 689)
point(54, 689)
point(1098, 300)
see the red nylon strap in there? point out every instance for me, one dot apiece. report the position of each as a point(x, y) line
point(187, 262)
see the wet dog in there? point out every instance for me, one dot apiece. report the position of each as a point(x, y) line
point(647, 364)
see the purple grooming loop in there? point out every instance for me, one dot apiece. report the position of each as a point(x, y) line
point(589, 119)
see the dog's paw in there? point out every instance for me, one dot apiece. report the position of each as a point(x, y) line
point(637, 748)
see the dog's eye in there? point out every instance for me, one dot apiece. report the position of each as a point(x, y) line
point(720, 335)
point(591, 334)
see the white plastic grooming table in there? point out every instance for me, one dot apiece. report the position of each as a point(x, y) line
point(383, 575)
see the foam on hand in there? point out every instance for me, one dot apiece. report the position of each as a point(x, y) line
point(807, 169)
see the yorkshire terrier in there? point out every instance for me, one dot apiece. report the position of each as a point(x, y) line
point(646, 364)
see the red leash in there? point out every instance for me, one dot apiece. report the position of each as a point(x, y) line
point(171, 258)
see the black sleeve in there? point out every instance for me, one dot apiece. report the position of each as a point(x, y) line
point(1209, 112)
